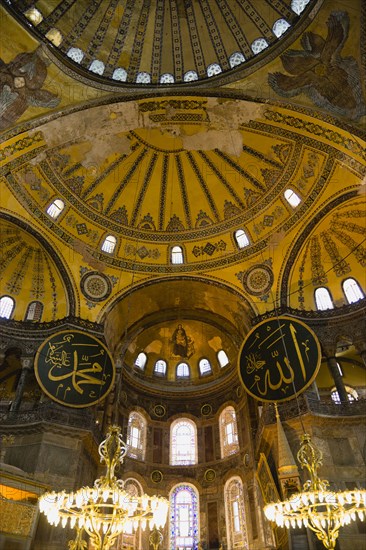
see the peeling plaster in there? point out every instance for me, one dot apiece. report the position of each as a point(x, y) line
point(87, 256)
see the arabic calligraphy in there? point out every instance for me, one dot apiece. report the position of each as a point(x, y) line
point(279, 359)
point(74, 369)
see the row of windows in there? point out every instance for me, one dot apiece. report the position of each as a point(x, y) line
point(183, 437)
point(33, 313)
point(176, 254)
point(351, 289)
point(182, 369)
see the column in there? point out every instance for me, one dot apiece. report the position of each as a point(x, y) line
point(26, 368)
point(338, 380)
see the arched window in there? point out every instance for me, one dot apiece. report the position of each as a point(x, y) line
point(292, 198)
point(236, 58)
point(76, 54)
point(141, 360)
point(177, 255)
point(323, 299)
point(143, 78)
point(34, 311)
point(213, 69)
point(55, 208)
point(183, 370)
point(120, 74)
point(258, 45)
point(97, 67)
point(183, 442)
point(236, 529)
point(166, 78)
point(228, 432)
point(131, 538)
point(352, 290)
point(280, 26)
point(34, 16)
point(109, 244)
point(352, 395)
point(160, 367)
point(298, 6)
point(136, 436)
point(6, 307)
point(184, 517)
point(222, 358)
point(205, 367)
point(241, 238)
point(190, 76)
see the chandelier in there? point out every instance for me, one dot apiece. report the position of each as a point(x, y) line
point(316, 507)
point(105, 510)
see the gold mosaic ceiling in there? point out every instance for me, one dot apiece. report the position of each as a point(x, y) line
point(162, 42)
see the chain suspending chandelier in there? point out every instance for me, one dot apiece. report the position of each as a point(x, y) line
point(105, 510)
point(316, 507)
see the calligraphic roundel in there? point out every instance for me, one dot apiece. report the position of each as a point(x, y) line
point(279, 359)
point(74, 368)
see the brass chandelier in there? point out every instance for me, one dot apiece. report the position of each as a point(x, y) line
point(105, 510)
point(316, 507)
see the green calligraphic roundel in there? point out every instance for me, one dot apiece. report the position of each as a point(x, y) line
point(279, 359)
point(74, 368)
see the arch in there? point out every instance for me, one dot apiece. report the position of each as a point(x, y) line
point(204, 366)
point(141, 359)
point(236, 528)
point(7, 305)
point(183, 442)
point(184, 516)
point(229, 442)
point(176, 255)
point(241, 238)
point(352, 290)
point(292, 198)
point(323, 299)
point(183, 370)
point(160, 367)
point(136, 435)
point(55, 208)
point(34, 311)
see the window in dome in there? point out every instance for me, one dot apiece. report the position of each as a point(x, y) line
point(97, 67)
point(34, 16)
point(76, 54)
point(166, 78)
point(352, 290)
point(228, 432)
point(141, 360)
point(298, 6)
point(241, 238)
point(183, 370)
point(213, 69)
point(136, 435)
point(143, 78)
point(120, 74)
point(292, 198)
point(323, 299)
point(352, 395)
point(6, 306)
point(34, 311)
point(109, 244)
point(184, 517)
point(236, 58)
point(280, 26)
point(205, 366)
point(54, 36)
point(160, 367)
point(258, 45)
point(236, 528)
point(190, 76)
point(55, 208)
point(177, 255)
point(183, 442)
point(222, 358)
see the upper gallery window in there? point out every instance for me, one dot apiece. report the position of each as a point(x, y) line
point(177, 255)
point(109, 244)
point(141, 360)
point(55, 208)
point(241, 238)
point(228, 432)
point(136, 435)
point(6, 306)
point(183, 442)
point(292, 198)
point(352, 290)
point(323, 299)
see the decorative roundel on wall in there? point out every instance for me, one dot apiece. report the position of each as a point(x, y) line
point(258, 280)
point(159, 411)
point(95, 286)
point(210, 475)
point(206, 409)
point(156, 476)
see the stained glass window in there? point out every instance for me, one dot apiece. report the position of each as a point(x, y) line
point(323, 299)
point(55, 208)
point(136, 436)
point(6, 306)
point(352, 290)
point(228, 432)
point(109, 244)
point(184, 519)
point(34, 311)
point(183, 442)
point(236, 528)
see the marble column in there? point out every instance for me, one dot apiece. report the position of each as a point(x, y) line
point(338, 380)
point(26, 369)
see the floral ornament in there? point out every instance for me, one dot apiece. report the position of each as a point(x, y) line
point(331, 81)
